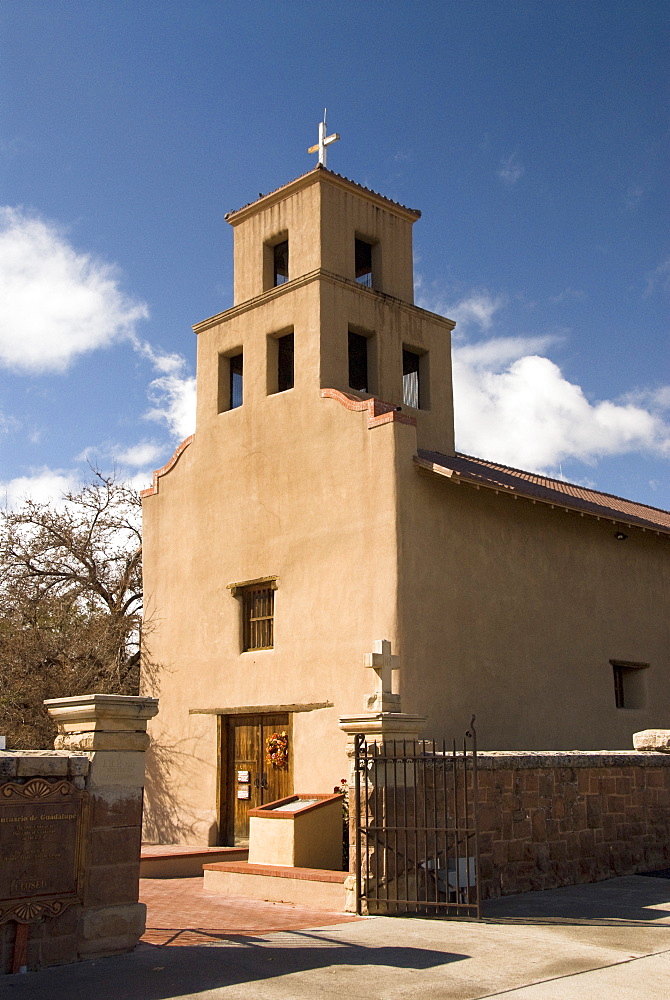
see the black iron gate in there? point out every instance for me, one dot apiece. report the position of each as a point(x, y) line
point(415, 815)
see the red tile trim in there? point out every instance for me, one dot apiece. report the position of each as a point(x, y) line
point(379, 411)
point(278, 871)
point(184, 851)
point(166, 468)
point(270, 810)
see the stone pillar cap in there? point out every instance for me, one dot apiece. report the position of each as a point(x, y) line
point(391, 725)
point(652, 739)
point(87, 707)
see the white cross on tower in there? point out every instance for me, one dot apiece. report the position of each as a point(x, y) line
point(384, 663)
point(324, 140)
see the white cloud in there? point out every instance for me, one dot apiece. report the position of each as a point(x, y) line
point(478, 308)
point(525, 413)
point(569, 293)
point(173, 396)
point(43, 486)
point(634, 195)
point(55, 303)
point(146, 453)
point(510, 169)
point(659, 278)
point(500, 350)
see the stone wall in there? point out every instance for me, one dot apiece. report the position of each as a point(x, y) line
point(544, 819)
point(563, 818)
point(101, 740)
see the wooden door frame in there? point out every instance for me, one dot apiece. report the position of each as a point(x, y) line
point(226, 814)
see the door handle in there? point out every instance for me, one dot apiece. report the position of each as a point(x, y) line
point(257, 783)
point(264, 781)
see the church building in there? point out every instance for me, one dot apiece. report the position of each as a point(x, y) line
point(321, 506)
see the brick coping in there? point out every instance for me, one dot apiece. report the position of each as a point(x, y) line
point(185, 850)
point(494, 759)
point(278, 871)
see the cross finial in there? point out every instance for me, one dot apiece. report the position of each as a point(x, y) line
point(324, 140)
point(384, 663)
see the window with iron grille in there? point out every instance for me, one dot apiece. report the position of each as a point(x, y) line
point(411, 387)
point(258, 608)
point(363, 262)
point(280, 263)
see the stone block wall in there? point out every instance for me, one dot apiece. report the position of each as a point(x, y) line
point(563, 818)
point(109, 918)
point(101, 743)
point(544, 819)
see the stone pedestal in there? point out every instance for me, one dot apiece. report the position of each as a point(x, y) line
point(111, 731)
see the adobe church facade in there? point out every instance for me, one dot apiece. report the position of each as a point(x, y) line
point(320, 506)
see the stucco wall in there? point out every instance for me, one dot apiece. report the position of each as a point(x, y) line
point(513, 611)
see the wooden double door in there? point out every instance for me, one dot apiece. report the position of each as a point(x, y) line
point(249, 780)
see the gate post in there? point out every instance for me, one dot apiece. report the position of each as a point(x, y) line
point(382, 729)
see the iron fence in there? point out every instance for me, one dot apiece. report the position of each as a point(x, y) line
point(415, 827)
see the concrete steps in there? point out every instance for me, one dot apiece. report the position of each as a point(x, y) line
point(183, 860)
point(317, 887)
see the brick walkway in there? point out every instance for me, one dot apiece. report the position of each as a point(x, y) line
point(180, 912)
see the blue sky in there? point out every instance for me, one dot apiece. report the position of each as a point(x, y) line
point(533, 136)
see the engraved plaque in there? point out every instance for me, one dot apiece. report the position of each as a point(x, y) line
point(41, 827)
point(243, 777)
point(243, 793)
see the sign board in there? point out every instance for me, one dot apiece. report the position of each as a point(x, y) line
point(243, 777)
point(243, 793)
point(41, 842)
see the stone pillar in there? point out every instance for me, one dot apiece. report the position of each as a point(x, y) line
point(111, 730)
point(378, 727)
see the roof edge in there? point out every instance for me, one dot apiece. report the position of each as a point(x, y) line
point(318, 173)
point(595, 505)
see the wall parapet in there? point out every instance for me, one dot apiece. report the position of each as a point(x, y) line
point(515, 759)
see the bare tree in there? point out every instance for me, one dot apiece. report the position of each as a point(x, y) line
point(70, 603)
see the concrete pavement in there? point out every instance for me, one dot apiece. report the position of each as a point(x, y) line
point(609, 941)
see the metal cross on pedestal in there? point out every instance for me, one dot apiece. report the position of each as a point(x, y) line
point(324, 140)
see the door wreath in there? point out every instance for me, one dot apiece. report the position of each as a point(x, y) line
point(276, 750)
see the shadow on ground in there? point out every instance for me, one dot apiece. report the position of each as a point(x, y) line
point(155, 972)
point(634, 899)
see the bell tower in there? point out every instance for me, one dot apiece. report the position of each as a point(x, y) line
point(324, 299)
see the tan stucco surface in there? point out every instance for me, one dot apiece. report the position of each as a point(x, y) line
point(501, 608)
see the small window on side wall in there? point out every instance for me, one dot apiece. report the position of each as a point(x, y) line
point(630, 684)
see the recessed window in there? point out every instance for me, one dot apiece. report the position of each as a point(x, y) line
point(630, 684)
point(285, 366)
point(358, 362)
point(258, 609)
point(280, 263)
point(363, 262)
point(236, 380)
point(230, 387)
point(411, 387)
